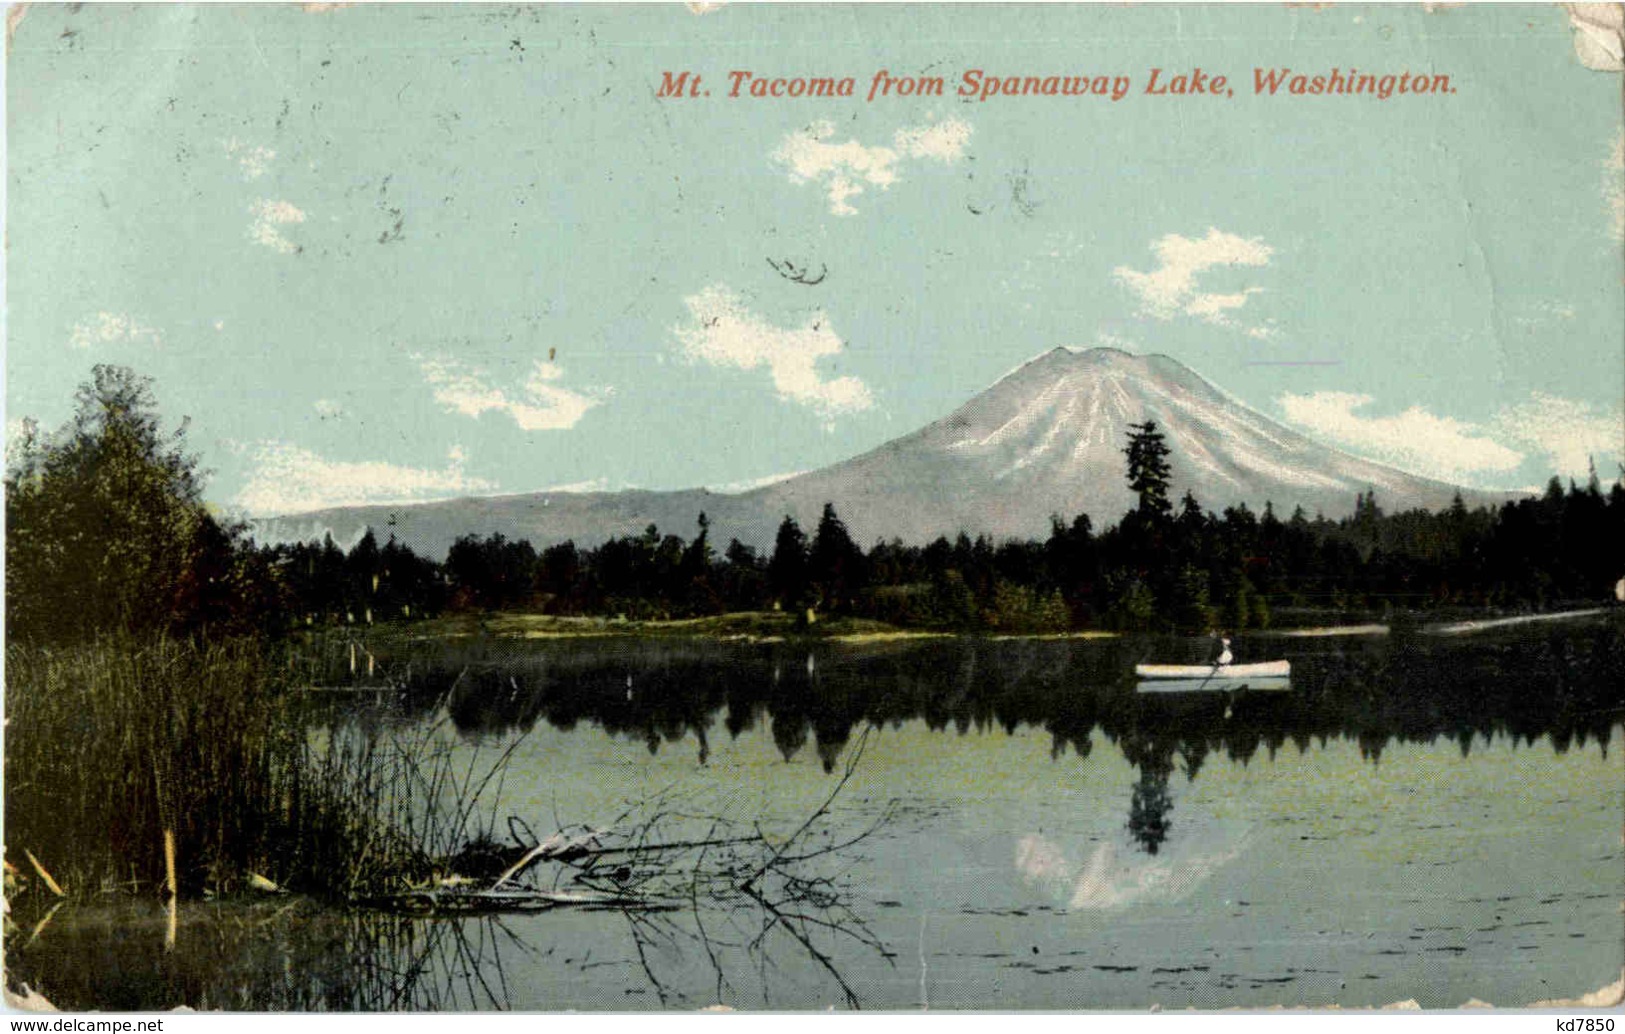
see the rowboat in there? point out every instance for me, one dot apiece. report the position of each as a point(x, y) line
point(1215, 672)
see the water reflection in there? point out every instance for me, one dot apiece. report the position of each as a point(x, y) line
point(1103, 876)
point(301, 955)
point(1565, 686)
point(281, 956)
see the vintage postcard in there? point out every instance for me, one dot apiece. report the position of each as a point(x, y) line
point(631, 507)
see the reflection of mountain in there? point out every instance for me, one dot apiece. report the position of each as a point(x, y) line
point(1046, 439)
point(1101, 876)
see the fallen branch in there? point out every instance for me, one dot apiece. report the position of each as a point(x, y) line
point(458, 899)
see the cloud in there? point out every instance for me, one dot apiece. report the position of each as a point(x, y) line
point(1568, 433)
point(110, 328)
point(327, 409)
point(1564, 434)
point(268, 216)
point(722, 332)
point(539, 405)
point(254, 161)
point(750, 484)
point(1416, 440)
point(843, 169)
point(579, 487)
point(289, 479)
point(1170, 289)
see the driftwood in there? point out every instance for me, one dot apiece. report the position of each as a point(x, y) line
point(632, 863)
point(461, 899)
point(680, 880)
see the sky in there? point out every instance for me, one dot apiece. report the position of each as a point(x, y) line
point(385, 254)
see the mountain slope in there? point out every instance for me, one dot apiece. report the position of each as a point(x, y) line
point(1046, 439)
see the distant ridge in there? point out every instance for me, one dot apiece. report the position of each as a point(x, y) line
point(1045, 439)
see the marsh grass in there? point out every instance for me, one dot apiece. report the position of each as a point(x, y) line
point(114, 745)
point(112, 742)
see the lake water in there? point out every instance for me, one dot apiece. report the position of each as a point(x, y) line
point(1415, 819)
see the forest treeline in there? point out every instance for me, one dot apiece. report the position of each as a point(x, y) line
point(107, 529)
point(1192, 570)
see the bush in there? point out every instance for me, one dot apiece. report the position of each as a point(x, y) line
point(106, 528)
point(1021, 608)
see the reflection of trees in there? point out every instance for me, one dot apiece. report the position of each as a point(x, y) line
point(1148, 809)
point(1148, 738)
point(1562, 685)
point(697, 895)
point(746, 906)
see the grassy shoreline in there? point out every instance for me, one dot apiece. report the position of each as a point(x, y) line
point(776, 626)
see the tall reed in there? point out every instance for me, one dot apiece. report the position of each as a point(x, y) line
point(114, 743)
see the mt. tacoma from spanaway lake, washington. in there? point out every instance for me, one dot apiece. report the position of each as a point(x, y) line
point(1045, 440)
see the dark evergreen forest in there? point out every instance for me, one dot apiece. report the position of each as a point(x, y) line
point(112, 476)
point(1162, 566)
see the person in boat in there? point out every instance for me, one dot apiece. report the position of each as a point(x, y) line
point(1225, 656)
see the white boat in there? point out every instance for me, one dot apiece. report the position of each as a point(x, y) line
point(1215, 672)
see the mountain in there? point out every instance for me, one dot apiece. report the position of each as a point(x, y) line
point(1046, 439)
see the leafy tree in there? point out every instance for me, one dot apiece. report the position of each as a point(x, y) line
point(1132, 606)
point(491, 572)
point(1192, 609)
point(952, 603)
point(744, 577)
point(410, 586)
point(559, 575)
point(106, 527)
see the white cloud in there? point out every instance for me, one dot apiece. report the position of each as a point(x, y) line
point(1569, 433)
point(539, 404)
point(942, 141)
point(750, 484)
point(289, 479)
point(1416, 440)
point(1170, 289)
point(327, 409)
point(579, 487)
point(253, 160)
point(1565, 435)
point(721, 331)
point(268, 216)
point(843, 169)
point(110, 328)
